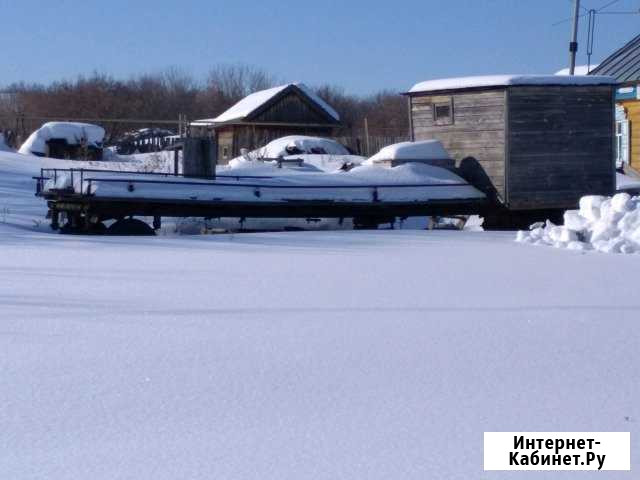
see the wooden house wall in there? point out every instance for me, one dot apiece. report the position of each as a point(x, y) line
point(560, 145)
point(475, 138)
point(633, 115)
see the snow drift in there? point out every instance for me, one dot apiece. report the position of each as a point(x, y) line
point(610, 225)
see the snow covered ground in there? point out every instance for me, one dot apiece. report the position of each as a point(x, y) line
point(316, 355)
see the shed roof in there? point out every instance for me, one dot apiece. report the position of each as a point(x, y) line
point(623, 64)
point(254, 102)
point(461, 83)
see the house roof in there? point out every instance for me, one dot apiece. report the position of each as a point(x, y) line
point(251, 104)
point(507, 80)
point(623, 64)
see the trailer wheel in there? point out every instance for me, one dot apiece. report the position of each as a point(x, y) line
point(130, 226)
point(93, 229)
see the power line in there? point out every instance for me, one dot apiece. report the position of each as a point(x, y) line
point(597, 10)
point(612, 2)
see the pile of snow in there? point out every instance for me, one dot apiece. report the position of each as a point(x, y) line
point(507, 80)
point(605, 224)
point(407, 151)
point(74, 133)
point(3, 144)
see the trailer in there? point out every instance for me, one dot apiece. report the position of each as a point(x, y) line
point(82, 200)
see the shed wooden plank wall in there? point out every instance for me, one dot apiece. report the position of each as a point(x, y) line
point(633, 115)
point(475, 139)
point(560, 145)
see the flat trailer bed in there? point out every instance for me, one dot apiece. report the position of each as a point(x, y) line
point(157, 195)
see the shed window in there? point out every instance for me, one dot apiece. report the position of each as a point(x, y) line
point(225, 152)
point(443, 113)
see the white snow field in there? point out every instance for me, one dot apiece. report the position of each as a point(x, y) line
point(314, 355)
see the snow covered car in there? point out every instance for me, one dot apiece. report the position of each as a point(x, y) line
point(325, 154)
point(67, 140)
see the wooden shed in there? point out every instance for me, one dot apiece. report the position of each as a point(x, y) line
point(531, 142)
point(263, 116)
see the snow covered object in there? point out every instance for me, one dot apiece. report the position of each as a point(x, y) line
point(425, 151)
point(324, 154)
point(605, 224)
point(65, 140)
point(300, 144)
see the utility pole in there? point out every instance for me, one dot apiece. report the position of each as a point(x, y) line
point(573, 45)
point(366, 136)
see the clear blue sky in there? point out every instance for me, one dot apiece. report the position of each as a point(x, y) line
point(361, 45)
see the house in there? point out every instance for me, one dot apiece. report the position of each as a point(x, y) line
point(624, 66)
point(263, 116)
point(531, 142)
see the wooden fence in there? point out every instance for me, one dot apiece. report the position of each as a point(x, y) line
point(19, 127)
point(368, 146)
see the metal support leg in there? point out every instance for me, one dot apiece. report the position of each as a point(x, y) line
point(55, 219)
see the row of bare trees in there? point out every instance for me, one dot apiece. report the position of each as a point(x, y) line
point(165, 95)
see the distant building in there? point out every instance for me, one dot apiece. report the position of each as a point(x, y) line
point(624, 66)
point(263, 116)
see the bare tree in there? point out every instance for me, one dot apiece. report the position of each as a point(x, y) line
point(166, 94)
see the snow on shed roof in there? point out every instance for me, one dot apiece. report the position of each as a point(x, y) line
point(254, 101)
point(506, 80)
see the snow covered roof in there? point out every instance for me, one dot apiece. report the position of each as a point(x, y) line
point(423, 150)
point(507, 80)
point(251, 103)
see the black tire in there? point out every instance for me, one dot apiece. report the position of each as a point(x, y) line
point(130, 226)
point(96, 229)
